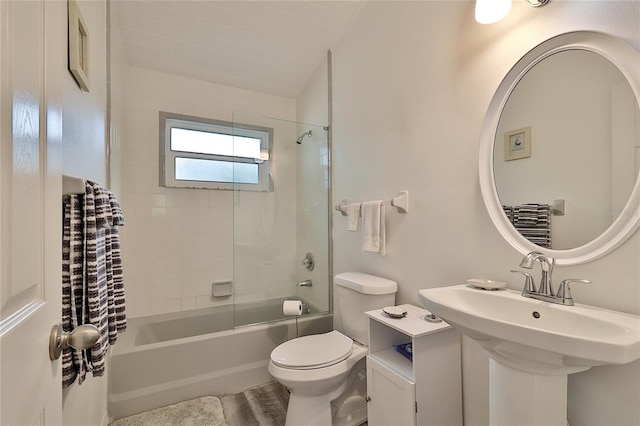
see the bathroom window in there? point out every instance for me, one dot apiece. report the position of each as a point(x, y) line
point(203, 153)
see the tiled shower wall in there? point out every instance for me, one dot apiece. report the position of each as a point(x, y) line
point(176, 242)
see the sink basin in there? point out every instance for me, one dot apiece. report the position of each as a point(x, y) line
point(536, 336)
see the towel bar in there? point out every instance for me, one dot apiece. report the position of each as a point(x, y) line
point(400, 202)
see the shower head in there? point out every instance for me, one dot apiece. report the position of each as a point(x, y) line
point(307, 133)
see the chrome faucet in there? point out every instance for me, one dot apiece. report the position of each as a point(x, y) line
point(305, 283)
point(547, 264)
point(545, 290)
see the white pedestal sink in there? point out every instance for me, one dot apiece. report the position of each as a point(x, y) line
point(533, 346)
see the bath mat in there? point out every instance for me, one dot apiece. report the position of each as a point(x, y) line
point(196, 412)
point(264, 405)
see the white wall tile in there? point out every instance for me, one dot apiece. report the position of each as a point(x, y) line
point(178, 241)
point(187, 303)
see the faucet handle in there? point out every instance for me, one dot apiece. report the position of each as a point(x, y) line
point(529, 286)
point(564, 291)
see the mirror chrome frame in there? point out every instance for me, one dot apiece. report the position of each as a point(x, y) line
point(627, 59)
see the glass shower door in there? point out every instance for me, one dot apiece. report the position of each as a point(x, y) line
point(281, 226)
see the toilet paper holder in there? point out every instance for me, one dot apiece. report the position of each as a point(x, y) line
point(295, 308)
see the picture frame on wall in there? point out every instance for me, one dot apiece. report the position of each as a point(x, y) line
point(78, 33)
point(517, 144)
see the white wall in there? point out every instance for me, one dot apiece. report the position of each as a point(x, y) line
point(178, 241)
point(84, 155)
point(412, 82)
point(116, 88)
point(85, 112)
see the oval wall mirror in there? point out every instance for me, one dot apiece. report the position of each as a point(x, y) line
point(560, 148)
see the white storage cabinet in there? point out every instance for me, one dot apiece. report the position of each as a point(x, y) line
point(425, 391)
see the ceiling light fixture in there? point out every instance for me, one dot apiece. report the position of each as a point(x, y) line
point(490, 11)
point(536, 3)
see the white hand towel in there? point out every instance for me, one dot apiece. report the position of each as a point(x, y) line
point(373, 227)
point(353, 210)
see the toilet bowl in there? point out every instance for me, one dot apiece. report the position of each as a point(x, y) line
point(326, 373)
point(316, 380)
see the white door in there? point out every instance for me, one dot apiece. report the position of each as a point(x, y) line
point(32, 63)
point(392, 397)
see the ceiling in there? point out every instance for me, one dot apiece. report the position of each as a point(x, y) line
point(267, 46)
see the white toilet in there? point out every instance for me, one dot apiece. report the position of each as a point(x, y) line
point(326, 373)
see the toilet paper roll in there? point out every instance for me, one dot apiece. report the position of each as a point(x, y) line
point(292, 307)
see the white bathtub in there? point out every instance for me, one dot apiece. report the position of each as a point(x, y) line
point(165, 359)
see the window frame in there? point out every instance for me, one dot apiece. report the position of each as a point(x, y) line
point(168, 156)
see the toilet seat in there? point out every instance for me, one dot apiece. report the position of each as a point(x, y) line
point(311, 352)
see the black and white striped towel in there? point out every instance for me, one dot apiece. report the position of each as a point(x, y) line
point(533, 221)
point(92, 277)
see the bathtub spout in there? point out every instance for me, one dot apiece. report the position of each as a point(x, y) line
point(305, 283)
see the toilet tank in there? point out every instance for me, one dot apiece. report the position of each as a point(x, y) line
point(356, 293)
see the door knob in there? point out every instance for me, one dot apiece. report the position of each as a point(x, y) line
point(82, 337)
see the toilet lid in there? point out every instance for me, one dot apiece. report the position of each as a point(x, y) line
point(316, 351)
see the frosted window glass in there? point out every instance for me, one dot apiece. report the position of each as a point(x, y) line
point(204, 153)
point(215, 171)
point(214, 143)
